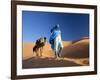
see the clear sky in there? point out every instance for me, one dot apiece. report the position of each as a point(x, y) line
point(38, 24)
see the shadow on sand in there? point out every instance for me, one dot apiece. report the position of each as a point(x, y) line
point(47, 62)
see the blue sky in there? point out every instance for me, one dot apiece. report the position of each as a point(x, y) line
point(38, 24)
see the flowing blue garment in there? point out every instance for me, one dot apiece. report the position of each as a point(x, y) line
point(55, 40)
point(53, 36)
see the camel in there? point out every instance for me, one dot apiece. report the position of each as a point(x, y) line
point(38, 48)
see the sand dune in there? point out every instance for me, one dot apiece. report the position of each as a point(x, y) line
point(46, 62)
point(79, 49)
point(74, 53)
point(84, 38)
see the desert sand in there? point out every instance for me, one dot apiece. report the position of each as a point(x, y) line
point(74, 53)
point(79, 49)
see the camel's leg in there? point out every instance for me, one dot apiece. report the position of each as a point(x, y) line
point(37, 52)
point(41, 51)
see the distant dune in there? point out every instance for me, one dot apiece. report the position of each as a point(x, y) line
point(84, 38)
point(79, 49)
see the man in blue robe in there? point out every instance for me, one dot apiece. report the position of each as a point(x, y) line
point(55, 40)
